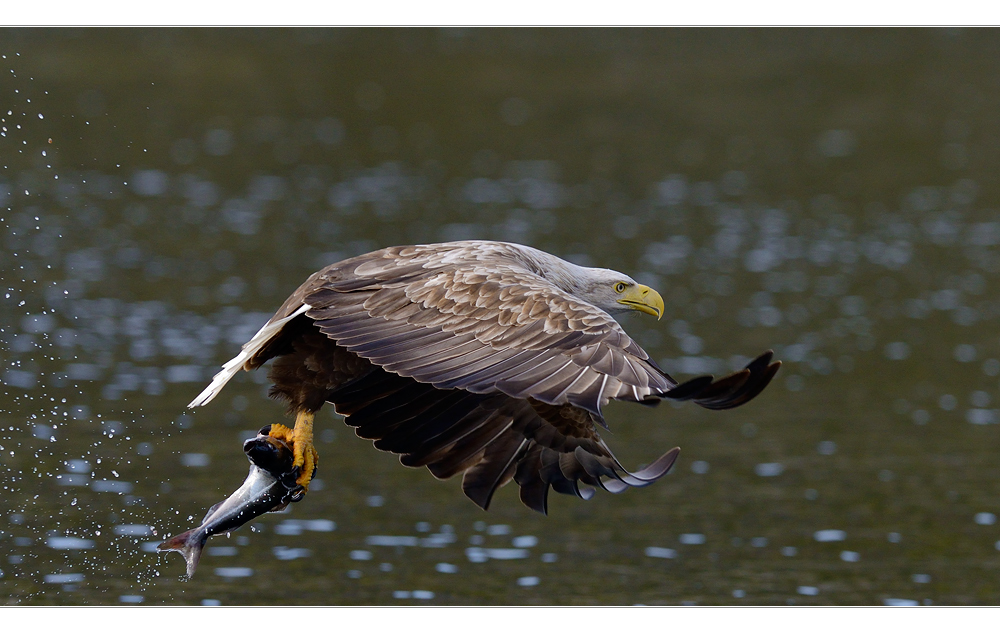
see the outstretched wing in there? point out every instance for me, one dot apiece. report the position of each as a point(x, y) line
point(491, 438)
point(484, 322)
point(479, 316)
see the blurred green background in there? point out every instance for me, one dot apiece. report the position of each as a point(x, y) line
point(827, 193)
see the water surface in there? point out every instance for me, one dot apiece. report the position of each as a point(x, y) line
point(829, 194)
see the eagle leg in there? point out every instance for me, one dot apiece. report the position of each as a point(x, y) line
point(304, 453)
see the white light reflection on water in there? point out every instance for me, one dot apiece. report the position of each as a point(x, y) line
point(134, 530)
point(221, 550)
point(524, 541)
point(826, 447)
point(392, 541)
point(282, 552)
point(419, 594)
point(982, 416)
point(295, 527)
point(64, 579)
point(195, 460)
point(661, 552)
point(69, 542)
point(827, 536)
point(772, 469)
point(438, 540)
point(483, 554)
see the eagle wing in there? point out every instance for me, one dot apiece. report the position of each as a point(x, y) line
point(492, 438)
point(480, 319)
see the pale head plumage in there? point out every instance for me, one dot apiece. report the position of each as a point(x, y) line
point(612, 291)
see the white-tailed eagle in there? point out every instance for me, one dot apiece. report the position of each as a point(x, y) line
point(484, 358)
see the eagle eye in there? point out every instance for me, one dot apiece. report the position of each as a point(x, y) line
point(620, 287)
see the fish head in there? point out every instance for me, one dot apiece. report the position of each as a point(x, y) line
point(269, 453)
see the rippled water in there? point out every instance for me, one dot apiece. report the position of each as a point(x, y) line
point(827, 194)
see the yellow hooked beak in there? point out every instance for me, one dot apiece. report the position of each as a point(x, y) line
point(644, 299)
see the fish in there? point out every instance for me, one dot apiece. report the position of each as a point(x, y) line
point(269, 487)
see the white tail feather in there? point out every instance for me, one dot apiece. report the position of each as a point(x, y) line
point(250, 348)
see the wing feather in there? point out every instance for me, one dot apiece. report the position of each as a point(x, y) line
point(496, 468)
point(476, 316)
point(492, 438)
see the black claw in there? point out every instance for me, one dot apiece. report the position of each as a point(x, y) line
point(289, 478)
point(297, 495)
point(264, 430)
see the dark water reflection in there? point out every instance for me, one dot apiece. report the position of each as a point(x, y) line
point(827, 193)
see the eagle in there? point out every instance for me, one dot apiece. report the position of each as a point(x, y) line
point(489, 359)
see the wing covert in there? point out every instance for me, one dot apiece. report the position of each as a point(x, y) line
point(481, 328)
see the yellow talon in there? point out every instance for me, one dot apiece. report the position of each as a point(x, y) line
point(300, 439)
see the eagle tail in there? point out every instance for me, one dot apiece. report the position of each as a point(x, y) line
point(251, 347)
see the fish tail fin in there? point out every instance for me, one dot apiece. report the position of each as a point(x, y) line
point(189, 545)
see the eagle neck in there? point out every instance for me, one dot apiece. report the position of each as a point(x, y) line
point(563, 274)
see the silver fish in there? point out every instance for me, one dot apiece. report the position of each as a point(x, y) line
point(269, 487)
